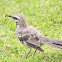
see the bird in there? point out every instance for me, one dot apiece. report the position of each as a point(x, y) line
point(30, 37)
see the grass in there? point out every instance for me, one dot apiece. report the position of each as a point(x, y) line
point(44, 15)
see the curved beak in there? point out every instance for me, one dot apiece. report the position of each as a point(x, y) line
point(13, 16)
point(8, 16)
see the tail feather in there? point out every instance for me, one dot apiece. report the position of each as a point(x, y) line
point(56, 42)
point(53, 43)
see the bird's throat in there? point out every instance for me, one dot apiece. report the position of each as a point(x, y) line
point(21, 25)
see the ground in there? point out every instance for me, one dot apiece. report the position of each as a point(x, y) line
point(44, 15)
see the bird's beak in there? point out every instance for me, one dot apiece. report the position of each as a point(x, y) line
point(8, 16)
point(14, 17)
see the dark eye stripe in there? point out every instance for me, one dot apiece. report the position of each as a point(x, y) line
point(15, 18)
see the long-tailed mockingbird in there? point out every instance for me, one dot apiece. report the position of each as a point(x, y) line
point(30, 37)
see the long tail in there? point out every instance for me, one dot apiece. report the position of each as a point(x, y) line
point(53, 43)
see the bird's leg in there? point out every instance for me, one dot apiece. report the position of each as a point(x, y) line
point(28, 52)
point(34, 52)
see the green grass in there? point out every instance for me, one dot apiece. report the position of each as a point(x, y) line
point(44, 15)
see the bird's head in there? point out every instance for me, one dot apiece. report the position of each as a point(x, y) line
point(16, 18)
